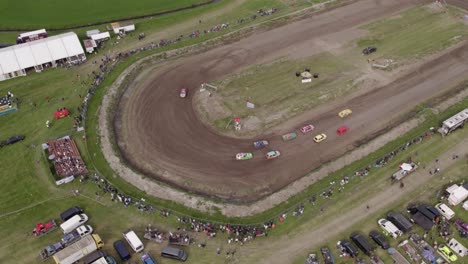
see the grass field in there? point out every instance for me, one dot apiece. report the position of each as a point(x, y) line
point(415, 33)
point(66, 13)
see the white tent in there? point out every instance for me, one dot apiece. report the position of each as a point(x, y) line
point(406, 167)
point(465, 205)
point(457, 194)
point(14, 60)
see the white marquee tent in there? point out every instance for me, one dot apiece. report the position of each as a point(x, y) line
point(457, 194)
point(14, 60)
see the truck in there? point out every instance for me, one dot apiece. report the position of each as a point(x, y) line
point(405, 169)
point(78, 250)
point(50, 250)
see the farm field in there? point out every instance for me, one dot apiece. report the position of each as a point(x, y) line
point(72, 14)
point(279, 95)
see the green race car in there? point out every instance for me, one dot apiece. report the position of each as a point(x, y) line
point(244, 156)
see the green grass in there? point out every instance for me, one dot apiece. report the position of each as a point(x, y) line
point(66, 13)
point(414, 33)
point(276, 91)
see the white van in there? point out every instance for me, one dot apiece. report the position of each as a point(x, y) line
point(445, 211)
point(389, 228)
point(133, 240)
point(74, 222)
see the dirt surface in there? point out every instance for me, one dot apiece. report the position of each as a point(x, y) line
point(160, 135)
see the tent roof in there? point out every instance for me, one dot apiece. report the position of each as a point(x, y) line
point(406, 167)
point(30, 54)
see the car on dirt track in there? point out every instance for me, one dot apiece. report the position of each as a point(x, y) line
point(447, 253)
point(307, 128)
point(345, 113)
point(273, 154)
point(260, 144)
point(320, 137)
point(183, 93)
point(289, 136)
point(244, 156)
point(369, 50)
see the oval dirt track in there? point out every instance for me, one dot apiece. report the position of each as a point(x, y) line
point(160, 134)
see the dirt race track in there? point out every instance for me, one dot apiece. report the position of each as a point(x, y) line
point(160, 134)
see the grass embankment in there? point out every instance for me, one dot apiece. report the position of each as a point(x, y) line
point(66, 13)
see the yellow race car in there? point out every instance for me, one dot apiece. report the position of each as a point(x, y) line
point(320, 137)
point(345, 113)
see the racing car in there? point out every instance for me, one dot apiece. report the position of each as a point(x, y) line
point(320, 137)
point(244, 156)
point(273, 154)
point(183, 93)
point(260, 144)
point(307, 128)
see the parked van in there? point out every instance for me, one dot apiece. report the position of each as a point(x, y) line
point(70, 212)
point(74, 222)
point(174, 253)
point(445, 211)
point(119, 246)
point(133, 240)
point(350, 248)
point(389, 228)
point(400, 221)
point(362, 243)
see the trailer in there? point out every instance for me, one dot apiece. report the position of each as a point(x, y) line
point(44, 228)
point(454, 122)
point(405, 169)
point(362, 243)
point(179, 239)
point(83, 247)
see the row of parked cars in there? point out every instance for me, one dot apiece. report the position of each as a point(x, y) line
point(74, 220)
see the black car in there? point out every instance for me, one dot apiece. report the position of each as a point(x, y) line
point(349, 248)
point(70, 212)
point(14, 139)
point(369, 50)
point(379, 239)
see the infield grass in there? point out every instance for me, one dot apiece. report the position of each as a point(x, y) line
point(415, 33)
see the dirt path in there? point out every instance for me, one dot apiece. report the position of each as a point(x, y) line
point(282, 249)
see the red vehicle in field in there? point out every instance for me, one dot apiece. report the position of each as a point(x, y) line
point(42, 229)
point(183, 93)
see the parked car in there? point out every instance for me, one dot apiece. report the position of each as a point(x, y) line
point(345, 113)
point(312, 259)
point(389, 228)
point(147, 259)
point(369, 50)
point(379, 239)
point(447, 253)
point(349, 248)
point(14, 139)
point(327, 255)
point(244, 156)
point(273, 154)
point(307, 128)
point(260, 144)
point(320, 137)
point(84, 230)
point(70, 212)
point(183, 93)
